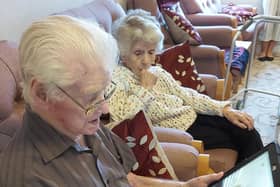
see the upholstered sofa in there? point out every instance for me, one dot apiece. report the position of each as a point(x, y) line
point(12, 105)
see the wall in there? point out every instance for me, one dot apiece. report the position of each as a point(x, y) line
point(16, 15)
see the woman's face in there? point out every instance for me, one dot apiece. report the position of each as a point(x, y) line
point(141, 56)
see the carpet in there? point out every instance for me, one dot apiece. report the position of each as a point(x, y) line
point(263, 107)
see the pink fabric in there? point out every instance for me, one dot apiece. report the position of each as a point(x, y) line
point(102, 11)
point(9, 77)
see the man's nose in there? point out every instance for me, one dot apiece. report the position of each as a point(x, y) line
point(104, 108)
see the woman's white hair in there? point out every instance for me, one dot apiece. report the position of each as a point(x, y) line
point(46, 44)
point(137, 25)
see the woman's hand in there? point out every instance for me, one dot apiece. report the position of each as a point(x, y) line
point(147, 79)
point(239, 118)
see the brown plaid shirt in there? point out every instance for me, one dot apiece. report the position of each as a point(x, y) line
point(40, 156)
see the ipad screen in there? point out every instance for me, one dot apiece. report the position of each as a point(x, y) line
point(257, 173)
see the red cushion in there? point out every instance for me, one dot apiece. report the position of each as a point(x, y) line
point(151, 158)
point(177, 60)
point(177, 22)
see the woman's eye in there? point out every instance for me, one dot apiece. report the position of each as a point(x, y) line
point(152, 51)
point(138, 53)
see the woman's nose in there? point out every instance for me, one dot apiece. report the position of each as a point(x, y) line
point(146, 59)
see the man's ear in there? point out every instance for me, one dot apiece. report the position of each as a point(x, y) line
point(38, 92)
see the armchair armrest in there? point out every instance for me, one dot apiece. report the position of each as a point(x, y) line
point(173, 135)
point(209, 35)
point(201, 19)
point(183, 158)
point(210, 82)
point(209, 60)
point(185, 154)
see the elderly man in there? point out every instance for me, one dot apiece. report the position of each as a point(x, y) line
point(66, 64)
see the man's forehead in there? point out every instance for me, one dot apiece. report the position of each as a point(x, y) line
point(95, 82)
point(94, 87)
point(93, 76)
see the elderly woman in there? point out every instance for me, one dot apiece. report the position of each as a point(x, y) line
point(139, 85)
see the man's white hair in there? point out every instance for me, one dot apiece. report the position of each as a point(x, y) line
point(46, 44)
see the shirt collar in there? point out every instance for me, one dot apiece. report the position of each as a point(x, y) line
point(49, 142)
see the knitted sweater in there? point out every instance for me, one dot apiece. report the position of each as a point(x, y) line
point(167, 104)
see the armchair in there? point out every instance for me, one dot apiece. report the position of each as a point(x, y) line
point(209, 13)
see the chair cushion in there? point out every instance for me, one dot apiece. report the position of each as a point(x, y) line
point(208, 6)
point(102, 11)
point(179, 26)
point(139, 136)
point(177, 60)
point(190, 6)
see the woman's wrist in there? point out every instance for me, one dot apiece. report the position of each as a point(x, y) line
point(226, 109)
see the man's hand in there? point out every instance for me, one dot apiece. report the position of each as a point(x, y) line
point(147, 79)
point(239, 118)
point(202, 181)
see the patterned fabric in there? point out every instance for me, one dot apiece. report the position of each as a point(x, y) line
point(151, 159)
point(167, 104)
point(179, 26)
point(38, 155)
point(242, 14)
point(240, 58)
point(177, 60)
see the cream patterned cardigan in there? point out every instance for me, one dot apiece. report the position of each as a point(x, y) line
point(167, 103)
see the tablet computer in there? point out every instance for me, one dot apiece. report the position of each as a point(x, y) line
point(260, 170)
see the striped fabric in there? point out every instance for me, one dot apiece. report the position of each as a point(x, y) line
point(41, 156)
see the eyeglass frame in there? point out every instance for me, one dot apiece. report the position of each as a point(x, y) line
point(92, 108)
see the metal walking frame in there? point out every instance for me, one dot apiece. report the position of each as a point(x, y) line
point(258, 19)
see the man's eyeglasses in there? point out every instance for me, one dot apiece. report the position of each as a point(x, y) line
point(93, 107)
